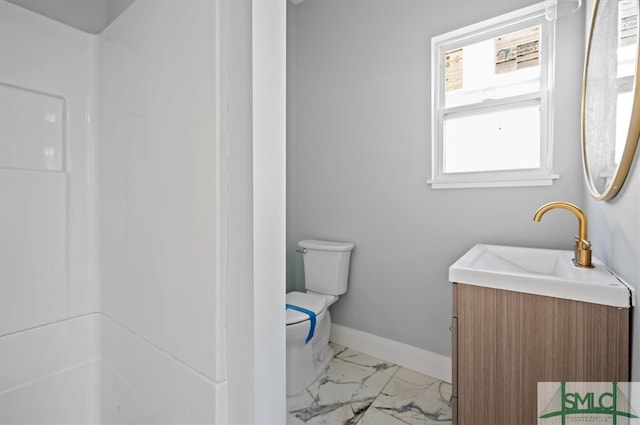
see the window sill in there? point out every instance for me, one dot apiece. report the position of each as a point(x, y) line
point(467, 181)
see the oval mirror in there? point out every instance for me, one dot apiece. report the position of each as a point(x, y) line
point(610, 99)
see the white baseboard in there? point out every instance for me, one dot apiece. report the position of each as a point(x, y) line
point(405, 355)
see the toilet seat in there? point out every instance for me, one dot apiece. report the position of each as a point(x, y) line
point(312, 302)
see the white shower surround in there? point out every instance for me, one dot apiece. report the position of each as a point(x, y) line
point(57, 365)
point(48, 283)
point(87, 377)
point(143, 339)
point(57, 347)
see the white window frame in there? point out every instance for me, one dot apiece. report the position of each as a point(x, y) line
point(510, 22)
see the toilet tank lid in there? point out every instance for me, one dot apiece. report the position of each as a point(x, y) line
point(326, 245)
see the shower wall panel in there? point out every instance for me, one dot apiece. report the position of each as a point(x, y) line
point(33, 251)
point(31, 130)
point(48, 285)
point(158, 214)
point(47, 253)
point(51, 374)
point(142, 340)
point(142, 384)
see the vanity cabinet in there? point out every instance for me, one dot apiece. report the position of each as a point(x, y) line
point(505, 342)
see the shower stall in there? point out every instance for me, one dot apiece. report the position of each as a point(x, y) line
point(136, 240)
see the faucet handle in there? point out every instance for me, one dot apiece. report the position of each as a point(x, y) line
point(582, 253)
point(583, 243)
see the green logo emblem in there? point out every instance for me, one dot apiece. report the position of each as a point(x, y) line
point(585, 402)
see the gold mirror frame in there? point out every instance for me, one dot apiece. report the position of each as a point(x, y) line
point(633, 133)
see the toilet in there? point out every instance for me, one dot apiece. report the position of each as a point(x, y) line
point(326, 272)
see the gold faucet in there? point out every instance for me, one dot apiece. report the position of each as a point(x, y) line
point(582, 249)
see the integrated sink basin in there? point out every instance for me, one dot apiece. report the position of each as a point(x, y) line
point(547, 272)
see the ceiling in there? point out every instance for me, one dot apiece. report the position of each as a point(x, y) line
point(91, 16)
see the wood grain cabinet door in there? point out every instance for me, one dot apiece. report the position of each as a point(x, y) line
point(506, 342)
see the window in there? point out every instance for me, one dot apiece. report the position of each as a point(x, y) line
point(492, 102)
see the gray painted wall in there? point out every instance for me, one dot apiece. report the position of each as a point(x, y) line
point(615, 234)
point(359, 157)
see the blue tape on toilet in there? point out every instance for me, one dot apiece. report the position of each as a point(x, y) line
point(312, 318)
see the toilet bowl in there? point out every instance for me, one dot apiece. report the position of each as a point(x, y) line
point(308, 319)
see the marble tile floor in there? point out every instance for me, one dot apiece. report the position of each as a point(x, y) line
point(358, 389)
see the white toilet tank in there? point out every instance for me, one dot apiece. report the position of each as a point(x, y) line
point(326, 265)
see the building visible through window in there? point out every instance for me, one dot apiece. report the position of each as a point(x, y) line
point(491, 102)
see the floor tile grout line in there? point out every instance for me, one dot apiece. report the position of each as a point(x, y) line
point(431, 392)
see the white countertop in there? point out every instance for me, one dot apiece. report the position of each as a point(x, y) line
point(547, 272)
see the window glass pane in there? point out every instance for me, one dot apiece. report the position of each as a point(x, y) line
point(627, 38)
point(495, 68)
point(504, 139)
